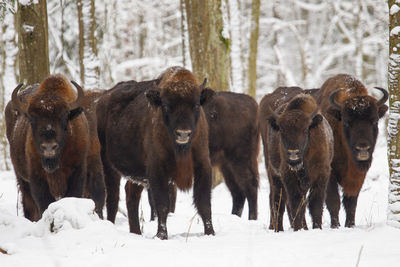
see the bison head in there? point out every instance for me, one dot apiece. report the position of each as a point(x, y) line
point(359, 117)
point(294, 127)
point(180, 107)
point(48, 116)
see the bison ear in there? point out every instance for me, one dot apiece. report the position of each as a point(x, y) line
point(382, 110)
point(272, 122)
point(153, 96)
point(206, 95)
point(334, 112)
point(316, 121)
point(74, 113)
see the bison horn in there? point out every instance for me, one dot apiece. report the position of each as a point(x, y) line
point(203, 85)
point(19, 105)
point(333, 101)
point(81, 95)
point(384, 97)
point(270, 111)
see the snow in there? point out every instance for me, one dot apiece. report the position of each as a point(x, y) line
point(394, 9)
point(80, 238)
point(395, 31)
point(28, 2)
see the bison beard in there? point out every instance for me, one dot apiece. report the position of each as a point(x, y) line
point(50, 164)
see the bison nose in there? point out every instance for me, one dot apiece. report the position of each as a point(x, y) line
point(49, 150)
point(362, 147)
point(182, 136)
point(294, 154)
point(362, 152)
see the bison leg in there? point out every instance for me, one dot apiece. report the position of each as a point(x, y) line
point(202, 194)
point(153, 213)
point(31, 211)
point(112, 180)
point(172, 200)
point(277, 201)
point(350, 205)
point(77, 181)
point(159, 188)
point(238, 197)
point(316, 202)
point(297, 202)
point(252, 193)
point(41, 194)
point(133, 192)
point(333, 202)
point(172, 196)
point(95, 184)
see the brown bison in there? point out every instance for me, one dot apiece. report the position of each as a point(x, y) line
point(156, 135)
point(353, 116)
point(298, 149)
point(53, 147)
point(233, 144)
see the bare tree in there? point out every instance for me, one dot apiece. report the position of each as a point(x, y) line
point(88, 60)
point(252, 60)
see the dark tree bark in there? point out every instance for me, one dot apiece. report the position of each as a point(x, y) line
point(33, 48)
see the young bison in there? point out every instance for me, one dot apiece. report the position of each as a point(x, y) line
point(353, 116)
point(298, 149)
point(52, 146)
point(157, 136)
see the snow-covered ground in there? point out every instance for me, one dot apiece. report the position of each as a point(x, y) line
point(79, 238)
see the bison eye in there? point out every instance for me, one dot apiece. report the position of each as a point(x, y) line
point(196, 106)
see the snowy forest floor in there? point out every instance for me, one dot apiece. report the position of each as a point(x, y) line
point(81, 239)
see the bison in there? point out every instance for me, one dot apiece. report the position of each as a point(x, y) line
point(156, 135)
point(353, 116)
point(233, 144)
point(53, 145)
point(298, 149)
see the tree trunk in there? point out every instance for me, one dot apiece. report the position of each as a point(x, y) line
point(209, 44)
point(33, 42)
point(88, 60)
point(394, 115)
point(252, 62)
point(209, 47)
point(8, 53)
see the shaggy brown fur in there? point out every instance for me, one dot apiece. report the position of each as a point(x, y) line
point(164, 134)
point(298, 149)
point(44, 121)
point(233, 143)
point(353, 116)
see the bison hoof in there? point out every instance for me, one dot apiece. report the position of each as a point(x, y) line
point(349, 224)
point(209, 232)
point(317, 226)
point(208, 228)
point(335, 223)
point(162, 235)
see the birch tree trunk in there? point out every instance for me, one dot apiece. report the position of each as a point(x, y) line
point(88, 59)
point(33, 48)
point(394, 114)
point(8, 53)
point(252, 61)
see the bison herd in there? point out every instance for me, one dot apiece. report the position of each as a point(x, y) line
point(170, 132)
